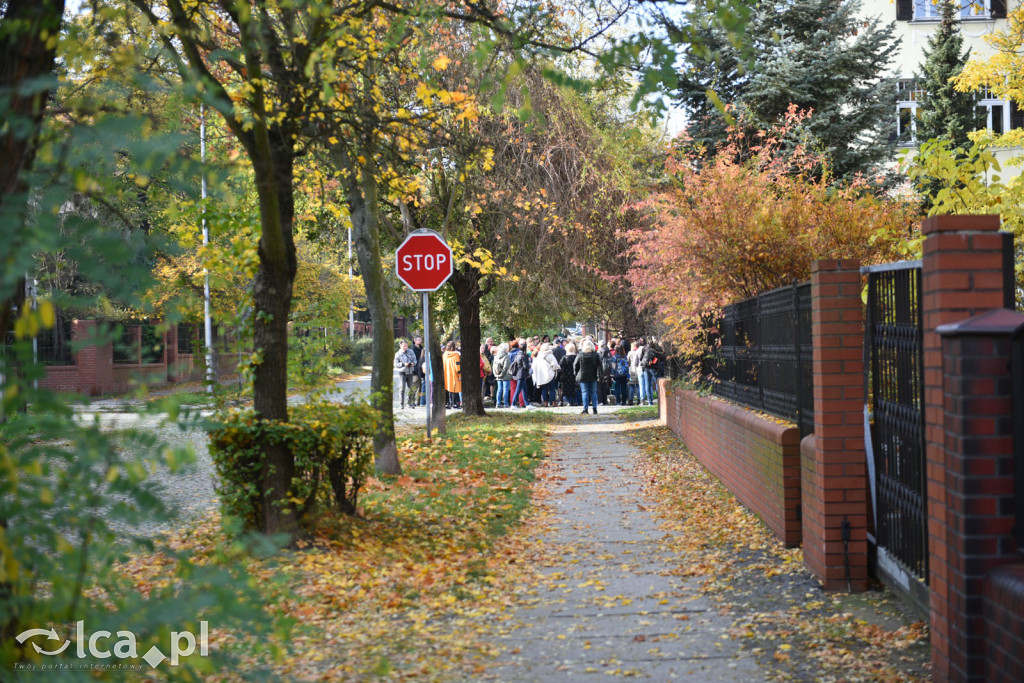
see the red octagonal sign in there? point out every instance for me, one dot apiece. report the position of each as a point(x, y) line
point(424, 261)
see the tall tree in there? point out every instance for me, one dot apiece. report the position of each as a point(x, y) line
point(250, 67)
point(818, 55)
point(946, 113)
point(29, 31)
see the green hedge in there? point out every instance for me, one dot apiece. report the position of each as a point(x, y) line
point(332, 444)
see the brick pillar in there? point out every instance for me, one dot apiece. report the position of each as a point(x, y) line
point(171, 352)
point(977, 527)
point(834, 470)
point(94, 360)
point(962, 276)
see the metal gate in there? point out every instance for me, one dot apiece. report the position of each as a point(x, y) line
point(894, 375)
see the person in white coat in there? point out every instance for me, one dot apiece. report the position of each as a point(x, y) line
point(545, 375)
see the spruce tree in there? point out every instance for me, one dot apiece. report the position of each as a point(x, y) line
point(945, 113)
point(816, 54)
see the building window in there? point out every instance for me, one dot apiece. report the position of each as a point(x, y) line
point(908, 99)
point(995, 112)
point(998, 116)
point(931, 10)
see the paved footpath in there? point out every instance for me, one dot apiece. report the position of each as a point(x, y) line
point(608, 605)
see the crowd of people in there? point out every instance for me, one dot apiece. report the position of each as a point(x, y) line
point(541, 372)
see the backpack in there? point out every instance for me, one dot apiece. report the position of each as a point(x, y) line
point(621, 367)
point(608, 366)
point(519, 367)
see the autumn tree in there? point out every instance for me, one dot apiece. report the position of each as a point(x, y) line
point(438, 113)
point(725, 230)
point(251, 67)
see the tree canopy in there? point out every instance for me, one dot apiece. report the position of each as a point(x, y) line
point(818, 55)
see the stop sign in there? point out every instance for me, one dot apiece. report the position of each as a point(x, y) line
point(424, 261)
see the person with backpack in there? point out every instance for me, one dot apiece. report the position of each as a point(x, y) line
point(620, 376)
point(649, 361)
point(502, 375)
point(588, 369)
point(520, 370)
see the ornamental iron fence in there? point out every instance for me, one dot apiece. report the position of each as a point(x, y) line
point(894, 378)
point(763, 355)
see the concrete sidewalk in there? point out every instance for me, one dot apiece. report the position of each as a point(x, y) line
point(609, 605)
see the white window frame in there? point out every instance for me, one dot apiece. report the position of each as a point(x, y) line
point(927, 10)
point(908, 98)
point(996, 109)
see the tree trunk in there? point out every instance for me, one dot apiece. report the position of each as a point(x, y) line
point(363, 207)
point(438, 415)
point(26, 62)
point(467, 296)
point(272, 296)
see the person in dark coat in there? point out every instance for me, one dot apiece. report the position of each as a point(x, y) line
point(588, 373)
point(567, 376)
point(520, 369)
point(421, 386)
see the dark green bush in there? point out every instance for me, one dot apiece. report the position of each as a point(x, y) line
point(361, 352)
point(332, 444)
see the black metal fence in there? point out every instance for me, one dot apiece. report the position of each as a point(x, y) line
point(763, 358)
point(53, 345)
point(138, 344)
point(895, 383)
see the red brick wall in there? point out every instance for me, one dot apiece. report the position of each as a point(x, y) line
point(94, 372)
point(755, 457)
point(60, 378)
point(93, 361)
point(1004, 625)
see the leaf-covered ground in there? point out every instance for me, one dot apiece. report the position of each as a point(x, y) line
point(409, 589)
point(421, 585)
point(797, 631)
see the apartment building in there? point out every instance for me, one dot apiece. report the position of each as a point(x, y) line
point(916, 20)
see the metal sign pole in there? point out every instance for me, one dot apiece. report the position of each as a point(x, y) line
point(427, 384)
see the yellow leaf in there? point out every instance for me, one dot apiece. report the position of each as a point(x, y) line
point(441, 63)
point(47, 314)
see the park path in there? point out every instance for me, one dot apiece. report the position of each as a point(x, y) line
point(608, 604)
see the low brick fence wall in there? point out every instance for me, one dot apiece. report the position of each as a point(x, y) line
point(756, 457)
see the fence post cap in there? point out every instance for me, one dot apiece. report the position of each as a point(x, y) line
point(830, 264)
point(961, 223)
point(998, 321)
